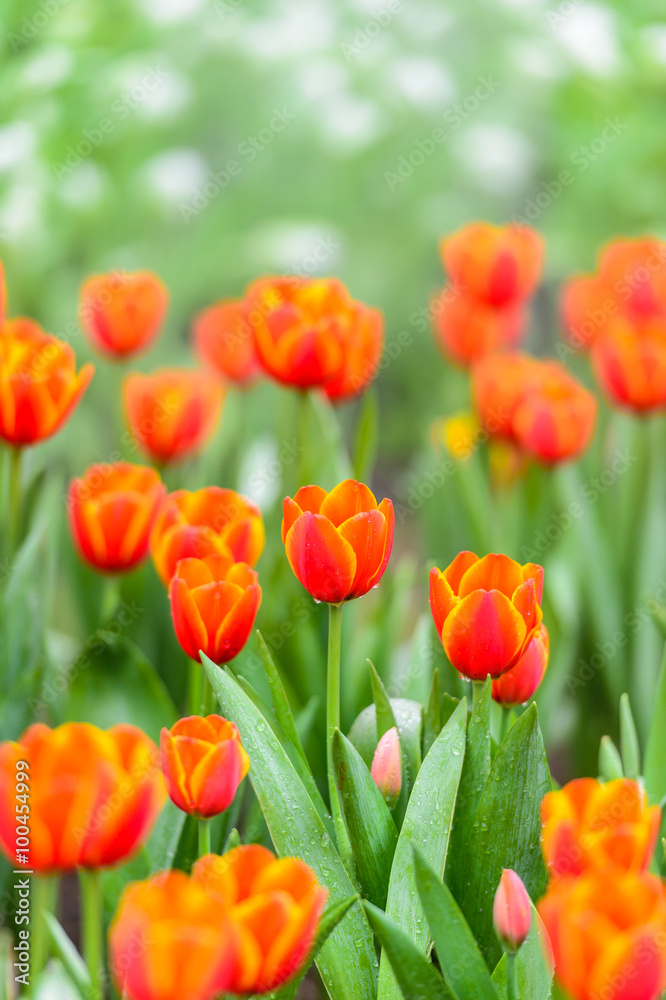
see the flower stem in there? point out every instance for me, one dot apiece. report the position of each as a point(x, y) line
point(15, 461)
point(477, 691)
point(204, 837)
point(505, 722)
point(195, 694)
point(43, 891)
point(511, 987)
point(92, 923)
point(333, 723)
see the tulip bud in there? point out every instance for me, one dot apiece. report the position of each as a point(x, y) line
point(386, 767)
point(512, 913)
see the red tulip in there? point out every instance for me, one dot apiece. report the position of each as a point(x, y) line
point(224, 340)
point(467, 329)
point(494, 264)
point(203, 762)
point(518, 684)
point(122, 313)
point(630, 365)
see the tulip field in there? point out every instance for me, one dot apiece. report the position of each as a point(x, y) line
point(332, 546)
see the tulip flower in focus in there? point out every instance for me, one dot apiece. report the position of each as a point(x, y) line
point(94, 794)
point(486, 612)
point(112, 509)
point(171, 938)
point(494, 264)
point(630, 365)
point(607, 931)
point(590, 825)
point(173, 412)
point(214, 602)
point(206, 522)
point(512, 913)
point(467, 330)
point(39, 385)
point(339, 543)
point(310, 333)
point(535, 404)
point(203, 762)
point(629, 285)
point(386, 768)
point(518, 684)
point(122, 313)
point(276, 905)
point(224, 339)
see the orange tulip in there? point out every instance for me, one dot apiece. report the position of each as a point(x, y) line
point(518, 684)
point(122, 313)
point(207, 522)
point(171, 938)
point(3, 293)
point(629, 284)
point(486, 611)
point(173, 412)
point(309, 332)
point(112, 509)
point(224, 339)
point(630, 364)
point(339, 543)
point(39, 386)
point(607, 930)
point(499, 383)
point(363, 343)
point(467, 329)
point(494, 264)
point(93, 795)
point(203, 762)
point(214, 602)
point(512, 911)
point(274, 904)
point(591, 825)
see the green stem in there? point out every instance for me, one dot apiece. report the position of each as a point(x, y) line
point(209, 700)
point(92, 930)
point(477, 691)
point(303, 403)
point(195, 695)
point(505, 722)
point(43, 892)
point(333, 723)
point(15, 461)
point(110, 599)
point(204, 837)
point(511, 987)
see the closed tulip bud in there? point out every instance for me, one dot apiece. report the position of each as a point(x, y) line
point(214, 602)
point(512, 913)
point(338, 544)
point(173, 412)
point(386, 768)
point(39, 385)
point(494, 264)
point(275, 904)
point(207, 522)
point(94, 795)
point(607, 930)
point(518, 684)
point(112, 509)
point(485, 611)
point(589, 825)
point(203, 762)
point(224, 339)
point(171, 938)
point(122, 313)
point(467, 330)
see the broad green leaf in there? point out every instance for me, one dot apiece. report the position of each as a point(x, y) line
point(654, 770)
point(408, 718)
point(279, 696)
point(476, 769)
point(534, 971)
point(384, 711)
point(415, 976)
point(427, 822)
point(74, 965)
point(507, 828)
point(297, 830)
point(610, 762)
point(432, 719)
point(448, 707)
point(370, 825)
point(461, 962)
point(631, 753)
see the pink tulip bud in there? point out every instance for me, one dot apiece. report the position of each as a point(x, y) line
point(512, 913)
point(386, 767)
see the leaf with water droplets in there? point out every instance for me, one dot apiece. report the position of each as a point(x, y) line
point(416, 977)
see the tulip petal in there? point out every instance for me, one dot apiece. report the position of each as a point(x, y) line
point(347, 499)
point(215, 779)
point(483, 635)
point(442, 598)
point(187, 620)
point(323, 561)
point(492, 572)
point(366, 533)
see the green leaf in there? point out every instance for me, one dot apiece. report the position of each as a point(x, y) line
point(297, 830)
point(279, 696)
point(534, 973)
point(415, 975)
point(432, 719)
point(610, 762)
point(74, 965)
point(506, 832)
point(370, 825)
point(427, 822)
point(462, 963)
point(654, 771)
point(631, 752)
point(476, 769)
point(384, 710)
point(367, 434)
